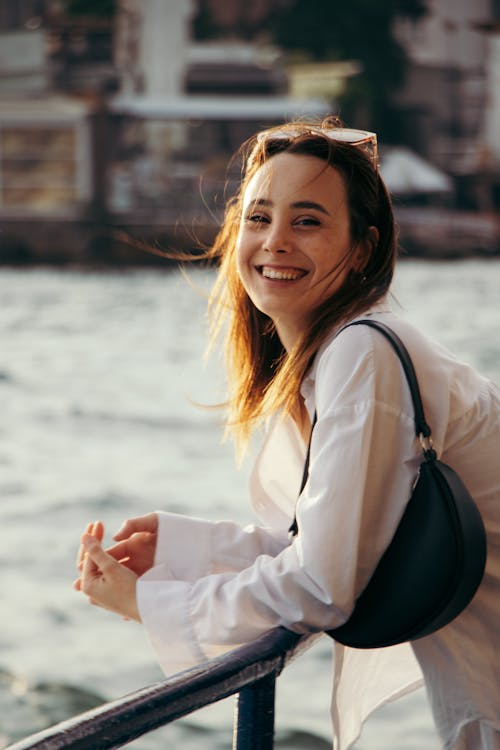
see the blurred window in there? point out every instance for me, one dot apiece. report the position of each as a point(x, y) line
point(40, 167)
point(14, 15)
point(174, 165)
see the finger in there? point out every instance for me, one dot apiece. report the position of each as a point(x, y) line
point(95, 553)
point(148, 523)
point(130, 547)
point(98, 530)
point(90, 575)
point(81, 552)
point(95, 529)
point(119, 551)
point(78, 585)
point(90, 571)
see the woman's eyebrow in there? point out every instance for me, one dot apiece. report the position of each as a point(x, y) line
point(296, 204)
point(259, 202)
point(311, 204)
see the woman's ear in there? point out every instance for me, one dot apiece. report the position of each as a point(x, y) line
point(365, 249)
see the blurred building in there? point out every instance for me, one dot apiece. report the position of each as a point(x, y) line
point(448, 110)
point(45, 136)
point(450, 103)
point(124, 122)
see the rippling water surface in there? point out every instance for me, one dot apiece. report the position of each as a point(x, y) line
point(96, 375)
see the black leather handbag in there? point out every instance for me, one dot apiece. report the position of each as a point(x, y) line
point(435, 562)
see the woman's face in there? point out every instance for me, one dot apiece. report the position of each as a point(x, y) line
point(294, 246)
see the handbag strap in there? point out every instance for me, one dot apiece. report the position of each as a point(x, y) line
point(422, 429)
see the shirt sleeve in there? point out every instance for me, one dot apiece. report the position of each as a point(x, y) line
point(213, 546)
point(363, 462)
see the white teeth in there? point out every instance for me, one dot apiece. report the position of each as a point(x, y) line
point(273, 273)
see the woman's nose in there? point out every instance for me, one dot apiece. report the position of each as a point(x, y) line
point(277, 239)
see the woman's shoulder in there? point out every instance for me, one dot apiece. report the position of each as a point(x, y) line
point(359, 363)
point(354, 343)
point(350, 347)
point(353, 365)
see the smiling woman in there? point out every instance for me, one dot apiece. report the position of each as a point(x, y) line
point(294, 247)
point(307, 246)
point(266, 371)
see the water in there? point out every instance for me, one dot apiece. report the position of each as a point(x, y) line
point(96, 373)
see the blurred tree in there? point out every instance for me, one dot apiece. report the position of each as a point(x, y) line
point(324, 30)
point(95, 8)
point(363, 31)
point(238, 18)
point(204, 25)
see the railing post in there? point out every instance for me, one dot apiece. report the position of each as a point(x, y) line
point(254, 716)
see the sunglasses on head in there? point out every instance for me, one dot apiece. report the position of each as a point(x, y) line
point(362, 139)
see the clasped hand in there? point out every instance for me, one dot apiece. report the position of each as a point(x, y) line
point(108, 577)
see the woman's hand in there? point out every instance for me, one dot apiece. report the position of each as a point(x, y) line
point(136, 543)
point(108, 577)
point(148, 523)
point(106, 582)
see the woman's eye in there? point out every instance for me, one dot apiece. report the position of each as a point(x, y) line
point(308, 221)
point(257, 218)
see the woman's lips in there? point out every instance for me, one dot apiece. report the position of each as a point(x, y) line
point(281, 274)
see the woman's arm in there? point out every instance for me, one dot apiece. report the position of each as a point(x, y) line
point(363, 462)
point(189, 547)
point(215, 586)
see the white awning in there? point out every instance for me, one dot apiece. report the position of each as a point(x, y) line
point(405, 172)
point(218, 107)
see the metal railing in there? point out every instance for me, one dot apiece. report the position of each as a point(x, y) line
point(250, 671)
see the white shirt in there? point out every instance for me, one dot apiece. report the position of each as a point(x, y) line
point(216, 585)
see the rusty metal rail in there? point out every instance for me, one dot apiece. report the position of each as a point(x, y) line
point(250, 671)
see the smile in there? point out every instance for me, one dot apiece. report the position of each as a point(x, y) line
point(281, 274)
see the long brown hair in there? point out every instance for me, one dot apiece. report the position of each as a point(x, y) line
point(262, 377)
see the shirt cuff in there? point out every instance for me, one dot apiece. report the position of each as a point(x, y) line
point(175, 532)
point(164, 610)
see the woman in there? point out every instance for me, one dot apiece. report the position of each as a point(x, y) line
point(307, 245)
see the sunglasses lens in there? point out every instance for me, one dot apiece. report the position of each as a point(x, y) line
point(363, 139)
point(350, 136)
